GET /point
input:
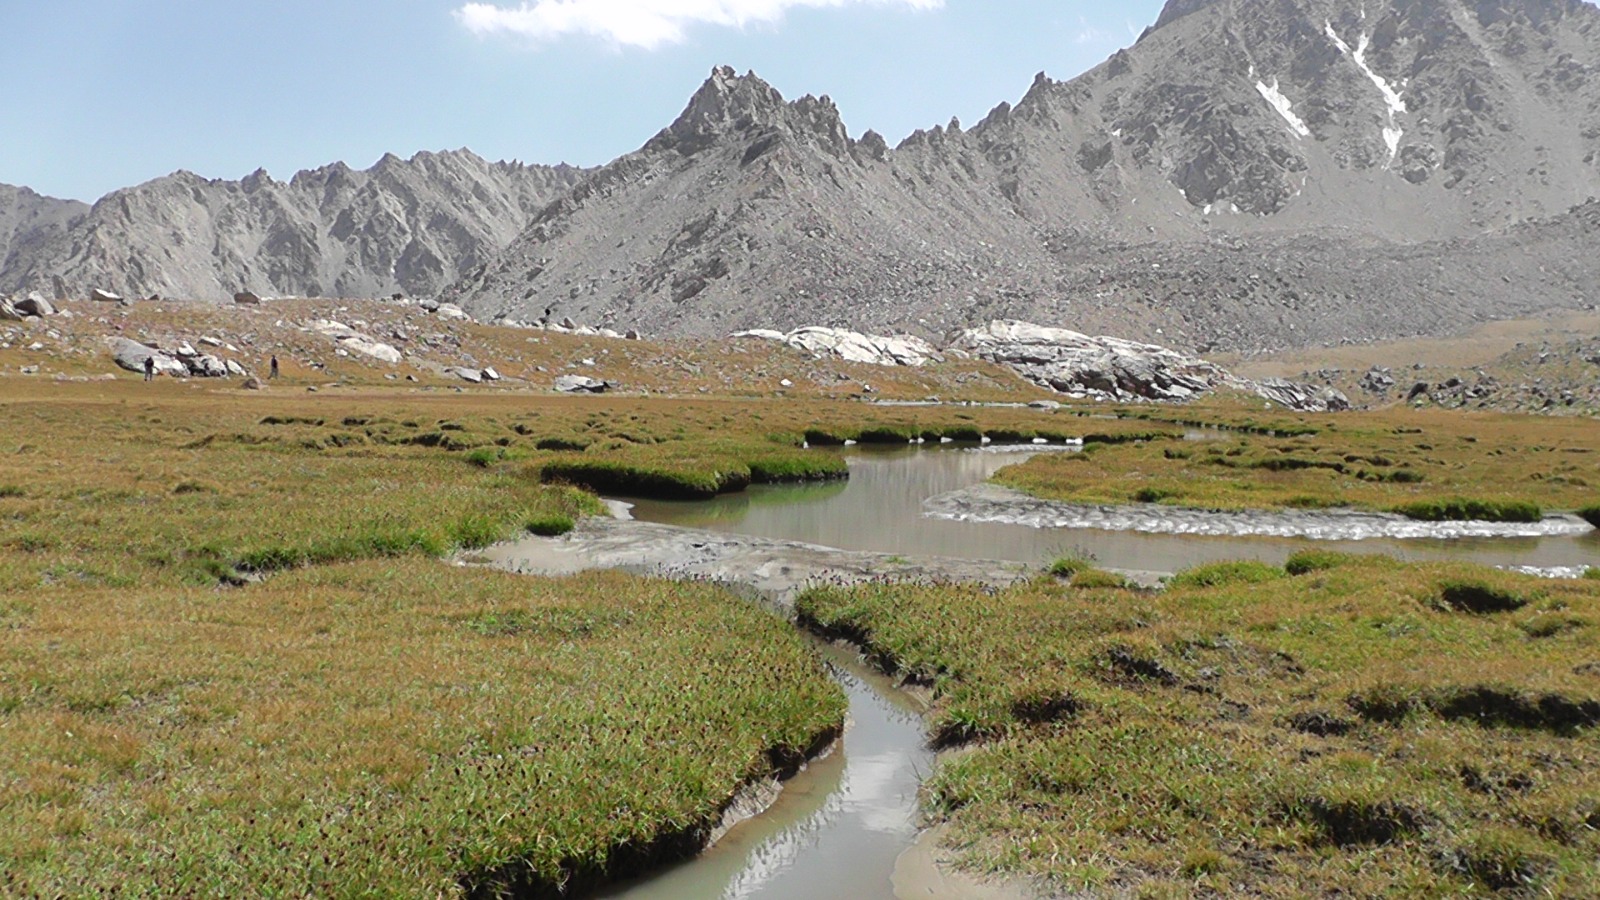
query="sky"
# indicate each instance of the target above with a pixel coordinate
(102, 94)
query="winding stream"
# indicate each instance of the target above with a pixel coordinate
(848, 825)
(838, 828)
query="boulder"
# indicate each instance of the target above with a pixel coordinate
(353, 341)
(428, 305)
(254, 384)
(100, 296)
(368, 347)
(489, 374)
(473, 376)
(1109, 368)
(632, 335)
(580, 384)
(130, 355)
(247, 298)
(451, 311)
(9, 311)
(35, 305)
(207, 366)
(1103, 367)
(852, 346)
(235, 369)
(1378, 380)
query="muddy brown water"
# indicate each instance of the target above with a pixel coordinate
(881, 509)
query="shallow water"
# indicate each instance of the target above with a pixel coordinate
(882, 509)
(838, 828)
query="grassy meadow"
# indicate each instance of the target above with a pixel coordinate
(1360, 728)
(1427, 465)
(235, 658)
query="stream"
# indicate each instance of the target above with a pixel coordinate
(838, 828)
(847, 826)
(885, 508)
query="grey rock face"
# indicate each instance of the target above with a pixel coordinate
(1247, 176)
(29, 221)
(403, 225)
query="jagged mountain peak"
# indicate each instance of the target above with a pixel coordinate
(1135, 196)
(1177, 9)
(729, 104)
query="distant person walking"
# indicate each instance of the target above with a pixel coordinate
(150, 367)
(272, 369)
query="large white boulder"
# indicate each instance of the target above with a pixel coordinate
(355, 342)
(130, 355)
(1116, 369)
(853, 346)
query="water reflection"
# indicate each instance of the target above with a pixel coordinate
(881, 509)
(838, 828)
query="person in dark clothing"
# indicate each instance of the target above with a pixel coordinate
(150, 367)
(273, 367)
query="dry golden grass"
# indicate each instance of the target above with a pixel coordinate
(531, 359)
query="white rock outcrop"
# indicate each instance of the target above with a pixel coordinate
(853, 346)
(356, 342)
(1116, 369)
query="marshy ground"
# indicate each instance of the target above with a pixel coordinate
(233, 658)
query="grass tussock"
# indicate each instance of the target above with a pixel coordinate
(1308, 729)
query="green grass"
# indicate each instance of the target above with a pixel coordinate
(1249, 732)
(1069, 566)
(386, 729)
(368, 720)
(1223, 574)
(1429, 466)
(1456, 509)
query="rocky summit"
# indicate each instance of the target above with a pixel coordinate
(401, 226)
(1248, 175)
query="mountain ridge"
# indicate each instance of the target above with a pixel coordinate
(1245, 176)
(1430, 123)
(402, 225)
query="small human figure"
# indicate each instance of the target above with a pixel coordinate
(150, 367)
(273, 367)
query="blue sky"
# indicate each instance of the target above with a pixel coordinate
(101, 94)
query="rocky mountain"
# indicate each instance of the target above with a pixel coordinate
(402, 225)
(1250, 174)
(29, 221)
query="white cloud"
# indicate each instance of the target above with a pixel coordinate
(639, 23)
